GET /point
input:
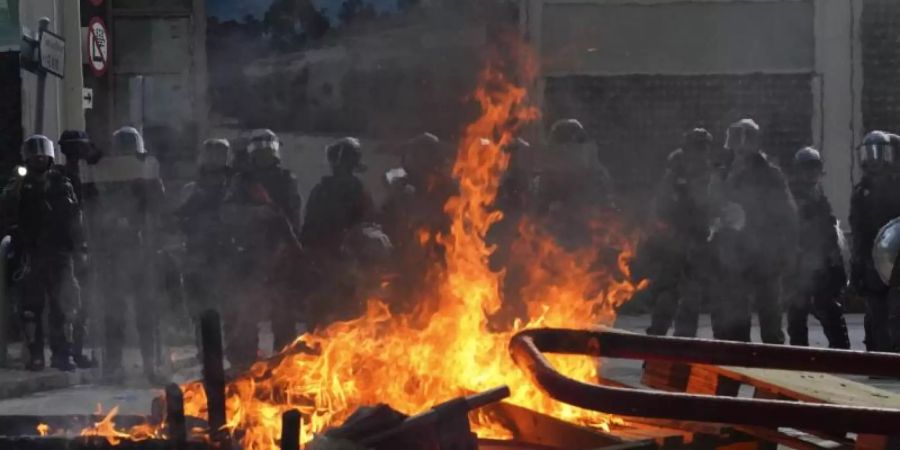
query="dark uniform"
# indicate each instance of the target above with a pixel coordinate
(127, 218)
(262, 211)
(753, 237)
(514, 201)
(413, 216)
(874, 203)
(818, 277)
(207, 241)
(677, 245)
(570, 188)
(42, 213)
(76, 145)
(338, 204)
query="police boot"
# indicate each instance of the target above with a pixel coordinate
(835, 328)
(34, 346)
(62, 351)
(62, 361)
(78, 356)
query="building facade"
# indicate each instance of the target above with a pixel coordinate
(640, 72)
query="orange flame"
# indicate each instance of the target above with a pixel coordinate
(106, 428)
(43, 429)
(385, 358)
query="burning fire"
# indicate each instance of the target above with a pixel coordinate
(106, 428)
(412, 363)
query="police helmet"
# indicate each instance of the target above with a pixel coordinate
(742, 132)
(129, 140)
(877, 151)
(697, 138)
(807, 157)
(214, 153)
(264, 139)
(74, 136)
(568, 131)
(38, 145)
(346, 153)
(425, 151)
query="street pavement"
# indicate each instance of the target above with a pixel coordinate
(82, 395)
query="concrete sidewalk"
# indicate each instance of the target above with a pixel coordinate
(17, 382)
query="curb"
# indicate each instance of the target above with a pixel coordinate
(26, 383)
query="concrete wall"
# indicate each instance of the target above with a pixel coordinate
(681, 38)
(605, 38)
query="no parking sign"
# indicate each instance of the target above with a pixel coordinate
(98, 46)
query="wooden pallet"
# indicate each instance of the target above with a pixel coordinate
(782, 385)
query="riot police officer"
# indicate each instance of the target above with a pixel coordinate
(873, 204)
(77, 147)
(752, 233)
(818, 276)
(413, 214)
(338, 204)
(262, 210)
(885, 258)
(677, 245)
(41, 211)
(127, 216)
(570, 188)
(207, 241)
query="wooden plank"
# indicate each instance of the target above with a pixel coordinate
(813, 387)
(531, 427)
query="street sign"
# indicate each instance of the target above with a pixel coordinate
(98, 47)
(53, 53)
(87, 98)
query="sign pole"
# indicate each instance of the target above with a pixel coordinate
(43, 25)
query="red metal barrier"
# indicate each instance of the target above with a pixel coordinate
(527, 350)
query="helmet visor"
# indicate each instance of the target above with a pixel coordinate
(270, 144)
(37, 147)
(880, 153)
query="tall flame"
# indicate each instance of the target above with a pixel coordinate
(384, 358)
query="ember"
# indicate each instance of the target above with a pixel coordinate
(384, 358)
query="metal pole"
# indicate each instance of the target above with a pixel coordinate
(43, 25)
(290, 430)
(175, 421)
(213, 372)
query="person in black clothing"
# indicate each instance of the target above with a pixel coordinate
(413, 215)
(41, 211)
(873, 204)
(127, 222)
(262, 211)
(338, 204)
(77, 146)
(819, 276)
(207, 242)
(678, 244)
(752, 236)
(570, 188)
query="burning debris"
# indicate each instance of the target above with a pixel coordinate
(445, 347)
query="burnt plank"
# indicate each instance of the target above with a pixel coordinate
(213, 371)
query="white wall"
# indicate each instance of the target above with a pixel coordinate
(839, 63)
